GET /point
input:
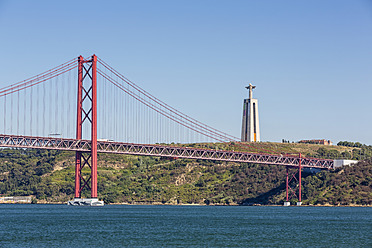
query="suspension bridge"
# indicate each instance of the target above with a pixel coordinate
(86, 106)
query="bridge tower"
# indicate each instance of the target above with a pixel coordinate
(293, 174)
(86, 114)
(250, 125)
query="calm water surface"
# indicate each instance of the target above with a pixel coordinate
(184, 226)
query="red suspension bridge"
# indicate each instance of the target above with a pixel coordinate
(114, 115)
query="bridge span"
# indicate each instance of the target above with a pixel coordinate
(161, 151)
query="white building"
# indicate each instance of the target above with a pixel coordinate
(342, 162)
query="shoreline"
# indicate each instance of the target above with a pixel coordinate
(189, 204)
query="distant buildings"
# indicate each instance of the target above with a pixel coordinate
(317, 141)
(15, 199)
(343, 162)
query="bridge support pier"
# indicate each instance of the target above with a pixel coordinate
(87, 97)
(293, 175)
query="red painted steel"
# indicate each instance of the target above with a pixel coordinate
(87, 91)
(79, 99)
(94, 129)
(286, 185)
(297, 177)
(51, 143)
(292, 176)
(79, 127)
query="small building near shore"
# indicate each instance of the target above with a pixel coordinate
(15, 199)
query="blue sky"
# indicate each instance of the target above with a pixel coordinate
(310, 60)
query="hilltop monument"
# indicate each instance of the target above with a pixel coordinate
(250, 127)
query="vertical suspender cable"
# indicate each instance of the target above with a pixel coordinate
(18, 113)
(136, 124)
(50, 117)
(56, 106)
(61, 119)
(116, 119)
(43, 120)
(5, 117)
(25, 112)
(31, 99)
(37, 110)
(11, 115)
(106, 111)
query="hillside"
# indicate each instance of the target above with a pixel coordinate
(307, 150)
(344, 186)
(49, 175)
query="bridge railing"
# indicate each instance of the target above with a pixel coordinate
(161, 151)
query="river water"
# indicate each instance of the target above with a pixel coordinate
(184, 226)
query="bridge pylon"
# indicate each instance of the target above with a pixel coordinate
(294, 191)
(86, 114)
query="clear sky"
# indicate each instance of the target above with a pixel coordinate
(310, 60)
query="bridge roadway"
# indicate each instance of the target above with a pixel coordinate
(52, 143)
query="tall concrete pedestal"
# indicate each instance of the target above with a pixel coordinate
(250, 125)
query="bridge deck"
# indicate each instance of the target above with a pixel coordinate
(160, 151)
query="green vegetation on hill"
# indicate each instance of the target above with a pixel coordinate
(49, 176)
(27, 172)
(342, 151)
(359, 151)
(344, 186)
